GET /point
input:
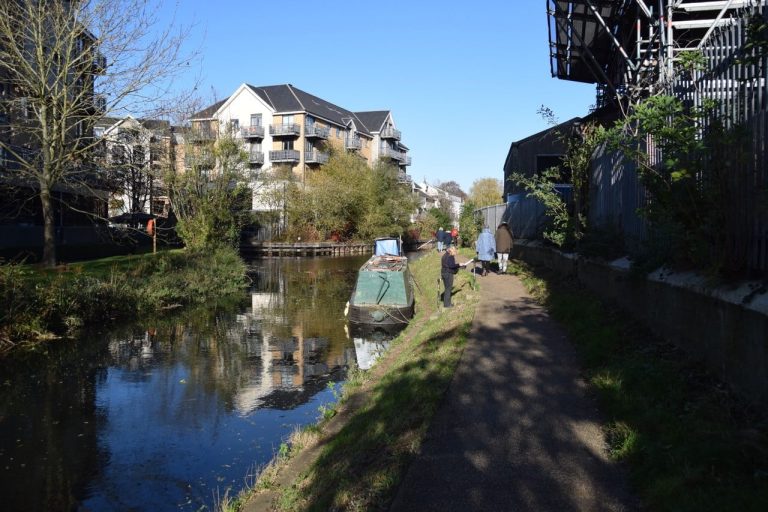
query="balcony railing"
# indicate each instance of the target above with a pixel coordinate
(256, 157)
(390, 133)
(315, 157)
(252, 132)
(286, 155)
(202, 134)
(353, 143)
(392, 153)
(99, 63)
(406, 161)
(316, 132)
(404, 178)
(100, 103)
(201, 160)
(284, 130)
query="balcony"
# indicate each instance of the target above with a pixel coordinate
(202, 135)
(256, 157)
(316, 132)
(390, 133)
(406, 161)
(203, 160)
(252, 132)
(387, 152)
(315, 157)
(404, 178)
(99, 63)
(284, 130)
(100, 103)
(353, 143)
(286, 155)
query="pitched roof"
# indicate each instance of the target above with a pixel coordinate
(373, 120)
(287, 98)
(208, 112)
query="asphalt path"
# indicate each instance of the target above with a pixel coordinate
(517, 430)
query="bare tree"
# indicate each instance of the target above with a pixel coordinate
(452, 188)
(63, 64)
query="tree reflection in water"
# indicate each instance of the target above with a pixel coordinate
(157, 416)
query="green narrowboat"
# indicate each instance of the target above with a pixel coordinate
(383, 294)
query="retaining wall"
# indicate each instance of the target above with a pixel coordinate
(724, 327)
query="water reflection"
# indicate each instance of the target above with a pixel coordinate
(371, 342)
(157, 416)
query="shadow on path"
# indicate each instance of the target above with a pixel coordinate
(516, 430)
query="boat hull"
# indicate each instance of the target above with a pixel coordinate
(380, 314)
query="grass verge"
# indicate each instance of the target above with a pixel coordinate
(689, 443)
(355, 456)
(40, 304)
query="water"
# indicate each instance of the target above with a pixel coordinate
(162, 415)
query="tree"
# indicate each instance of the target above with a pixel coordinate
(210, 197)
(346, 199)
(64, 64)
(452, 188)
(486, 192)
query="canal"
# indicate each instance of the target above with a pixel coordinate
(165, 414)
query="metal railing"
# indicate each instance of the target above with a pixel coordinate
(315, 157)
(394, 154)
(99, 63)
(285, 155)
(390, 133)
(252, 132)
(256, 157)
(317, 132)
(353, 143)
(406, 161)
(281, 130)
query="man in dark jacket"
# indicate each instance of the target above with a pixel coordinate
(448, 267)
(503, 246)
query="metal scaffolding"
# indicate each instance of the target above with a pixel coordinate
(629, 47)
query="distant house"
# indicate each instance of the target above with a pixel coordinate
(429, 197)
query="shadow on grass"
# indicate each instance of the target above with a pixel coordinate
(690, 444)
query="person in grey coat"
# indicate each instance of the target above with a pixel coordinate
(486, 248)
(503, 246)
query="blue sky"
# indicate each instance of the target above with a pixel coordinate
(463, 79)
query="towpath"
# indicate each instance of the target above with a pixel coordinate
(517, 430)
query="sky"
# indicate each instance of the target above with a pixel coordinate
(463, 79)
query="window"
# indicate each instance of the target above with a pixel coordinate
(287, 145)
(255, 147)
(338, 132)
(308, 146)
(98, 131)
(234, 124)
(287, 120)
(255, 119)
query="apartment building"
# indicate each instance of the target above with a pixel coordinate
(132, 154)
(283, 126)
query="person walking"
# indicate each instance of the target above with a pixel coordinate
(448, 267)
(455, 236)
(440, 239)
(503, 246)
(486, 249)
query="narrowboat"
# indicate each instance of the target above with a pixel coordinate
(383, 294)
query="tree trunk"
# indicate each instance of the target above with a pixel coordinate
(49, 233)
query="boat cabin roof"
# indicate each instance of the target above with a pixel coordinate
(386, 263)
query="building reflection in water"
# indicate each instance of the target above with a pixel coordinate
(158, 417)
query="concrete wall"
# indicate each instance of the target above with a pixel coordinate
(725, 327)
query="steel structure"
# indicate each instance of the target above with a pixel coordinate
(629, 47)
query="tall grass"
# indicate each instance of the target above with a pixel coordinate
(39, 304)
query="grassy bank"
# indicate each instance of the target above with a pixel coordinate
(355, 456)
(39, 304)
(690, 445)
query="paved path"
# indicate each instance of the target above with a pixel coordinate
(516, 431)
